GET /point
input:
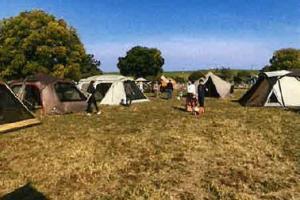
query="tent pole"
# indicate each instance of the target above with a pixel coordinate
(281, 92)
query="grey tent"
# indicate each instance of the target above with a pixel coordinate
(13, 113)
(277, 88)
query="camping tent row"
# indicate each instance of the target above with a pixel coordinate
(277, 88)
(52, 95)
(113, 89)
(13, 113)
(216, 87)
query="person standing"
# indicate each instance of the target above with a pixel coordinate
(201, 95)
(91, 99)
(191, 96)
(156, 89)
(141, 86)
(169, 89)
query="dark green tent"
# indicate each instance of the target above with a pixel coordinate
(13, 113)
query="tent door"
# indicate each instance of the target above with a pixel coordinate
(211, 89)
(273, 99)
(101, 90)
(32, 96)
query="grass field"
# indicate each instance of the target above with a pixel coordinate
(157, 151)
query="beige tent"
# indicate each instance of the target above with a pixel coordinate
(216, 87)
(164, 81)
(52, 95)
(277, 88)
(113, 89)
(13, 113)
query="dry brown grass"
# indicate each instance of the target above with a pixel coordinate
(156, 151)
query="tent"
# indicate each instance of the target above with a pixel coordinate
(142, 84)
(276, 88)
(113, 89)
(164, 81)
(52, 95)
(141, 79)
(13, 113)
(216, 87)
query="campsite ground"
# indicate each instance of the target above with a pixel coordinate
(156, 150)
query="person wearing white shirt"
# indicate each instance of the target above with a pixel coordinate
(191, 96)
(141, 86)
(191, 89)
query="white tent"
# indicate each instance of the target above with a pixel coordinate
(141, 79)
(113, 89)
(277, 88)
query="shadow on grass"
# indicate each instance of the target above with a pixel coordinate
(235, 100)
(295, 110)
(26, 192)
(163, 97)
(179, 108)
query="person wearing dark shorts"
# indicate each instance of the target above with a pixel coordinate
(201, 95)
(169, 90)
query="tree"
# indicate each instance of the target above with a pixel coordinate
(179, 79)
(90, 66)
(35, 41)
(196, 75)
(284, 59)
(242, 76)
(225, 73)
(141, 62)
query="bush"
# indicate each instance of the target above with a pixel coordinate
(196, 76)
(179, 79)
(225, 73)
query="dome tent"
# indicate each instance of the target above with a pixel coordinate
(113, 89)
(277, 88)
(13, 113)
(52, 95)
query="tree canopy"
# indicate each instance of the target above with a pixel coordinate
(36, 41)
(90, 66)
(225, 73)
(284, 59)
(243, 76)
(196, 75)
(141, 62)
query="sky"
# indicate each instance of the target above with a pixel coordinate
(191, 34)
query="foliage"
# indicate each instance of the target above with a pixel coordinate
(141, 62)
(179, 79)
(36, 41)
(196, 75)
(284, 59)
(153, 78)
(225, 73)
(90, 66)
(242, 76)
